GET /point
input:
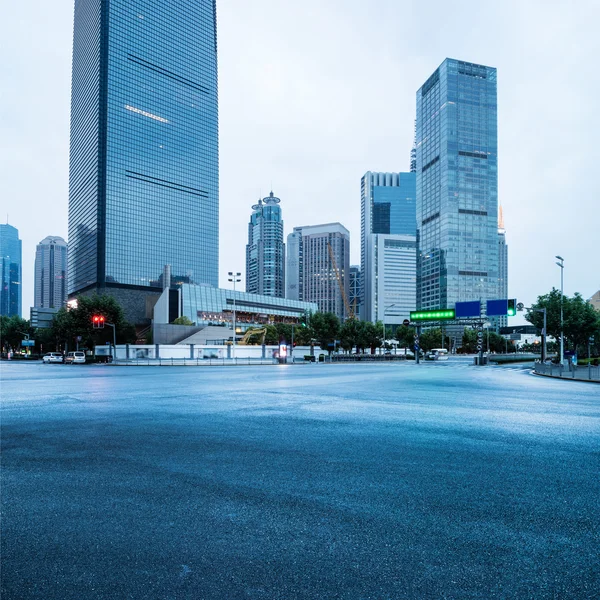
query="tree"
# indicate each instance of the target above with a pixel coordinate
(580, 320)
(183, 320)
(67, 325)
(350, 333)
(406, 336)
(469, 341)
(430, 339)
(13, 330)
(326, 327)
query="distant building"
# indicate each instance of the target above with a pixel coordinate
(457, 186)
(311, 272)
(595, 300)
(502, 267)
(144, 160)
(392, 278)
(388, 245)
(355, 292)
(10, 271)
(50, 286)
(206, 305)
(265, 251)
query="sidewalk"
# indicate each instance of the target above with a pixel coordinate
(583, 373)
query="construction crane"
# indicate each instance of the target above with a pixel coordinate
(349, 309)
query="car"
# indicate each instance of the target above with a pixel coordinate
(52, 357)
(76, 357)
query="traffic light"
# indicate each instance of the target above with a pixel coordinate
(98, 321)
(512, 307)
(303, 320)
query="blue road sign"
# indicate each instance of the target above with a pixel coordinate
(464, 310)
(497, 308)
(28, 343)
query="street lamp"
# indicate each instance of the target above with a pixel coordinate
(562, 342)
(234, 278)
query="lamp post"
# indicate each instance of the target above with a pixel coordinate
(234, 278)
(561, 264)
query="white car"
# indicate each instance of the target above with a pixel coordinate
(52, 357)
(76, 357)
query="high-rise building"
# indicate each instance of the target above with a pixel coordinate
(355, 292)
(313, 275)
(388, 245)
(50, 289)
(143, 180)
(502, 267)
(265, 251)
(11, 253)
(457, 185)
(392, 278)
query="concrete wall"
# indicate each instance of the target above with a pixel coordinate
(166, 333)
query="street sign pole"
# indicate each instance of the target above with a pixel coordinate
(417, 336)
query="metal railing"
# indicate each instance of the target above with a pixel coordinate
(581, 373)
(198, 362)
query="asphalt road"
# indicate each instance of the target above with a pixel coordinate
(355, 481)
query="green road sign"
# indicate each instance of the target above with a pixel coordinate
(432, 315)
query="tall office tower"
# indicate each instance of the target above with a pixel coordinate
(502, 266)
(10, 250)
(265, 251)
(143, 180)
(457, 186)
(413, 153)
(50, 290)
(354, 294)
(388, 229)
(313, 276)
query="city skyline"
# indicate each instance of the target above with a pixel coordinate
(305, 138)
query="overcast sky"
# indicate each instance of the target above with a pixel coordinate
(315, 93)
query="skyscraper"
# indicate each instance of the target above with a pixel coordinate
(388, 246)
(502, 266)
(143, 181)
(265, 251)
(355, 293)
(10, 292)
(312, 274)
(50, 289)
(457, 185)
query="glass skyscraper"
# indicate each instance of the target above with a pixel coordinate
(143, 182)
(457, 185)
(265, 251)
(388, 246)
(50, 288)
(10, 271)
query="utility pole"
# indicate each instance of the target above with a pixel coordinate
(561, 264)
(234, 278)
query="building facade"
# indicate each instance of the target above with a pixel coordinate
(50, 286)
(355, 291)
(595, 300)
(265, 251)
(457, 186)
(318, 267)
(392, 280)
(143, 179)
(206, 305)
(11, 271)
(388, 208)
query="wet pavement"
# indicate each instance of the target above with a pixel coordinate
(361, 481)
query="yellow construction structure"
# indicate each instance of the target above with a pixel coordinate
(250, 333)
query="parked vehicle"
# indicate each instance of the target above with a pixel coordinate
(76, 357)
(52, 357)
